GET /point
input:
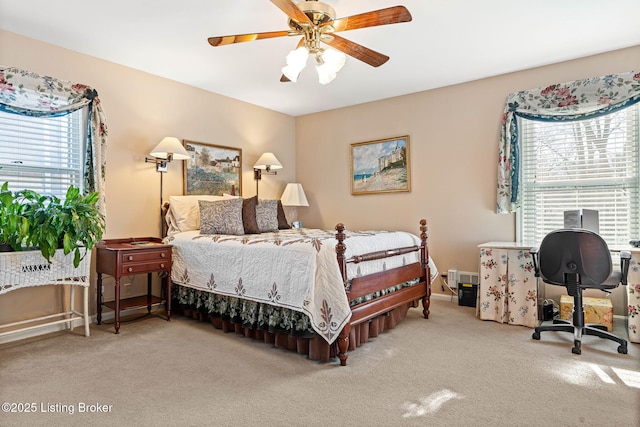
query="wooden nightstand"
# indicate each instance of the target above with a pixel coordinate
(127, 257)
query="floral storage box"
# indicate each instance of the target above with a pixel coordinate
(596, 310)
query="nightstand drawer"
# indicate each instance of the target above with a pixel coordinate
(137, 256)
(145, 267)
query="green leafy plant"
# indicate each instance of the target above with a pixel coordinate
(72, 225)
(14, 225)
(40, 212)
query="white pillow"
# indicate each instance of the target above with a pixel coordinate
(185, 213)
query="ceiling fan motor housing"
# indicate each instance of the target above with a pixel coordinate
(317, 11)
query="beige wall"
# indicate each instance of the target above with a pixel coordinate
(140, 110)
(454, 135)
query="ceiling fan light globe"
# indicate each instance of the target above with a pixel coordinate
(296, 61)
(291, 73)
(334, 59)
(325, 73)
(298, 57)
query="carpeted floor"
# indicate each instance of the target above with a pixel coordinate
(450, 370)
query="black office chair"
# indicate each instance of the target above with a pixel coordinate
(579, 259)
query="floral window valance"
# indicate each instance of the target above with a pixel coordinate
(27, 93)
(577, 100)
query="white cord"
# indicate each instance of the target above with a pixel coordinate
(453, 291)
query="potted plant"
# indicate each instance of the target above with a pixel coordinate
(72, 225)
(14, 224)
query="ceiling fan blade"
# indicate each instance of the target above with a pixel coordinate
(240, 38)
(391, 15)
(364, 54)
(292, 11)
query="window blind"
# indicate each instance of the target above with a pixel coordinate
(44, 154)
(587, 164)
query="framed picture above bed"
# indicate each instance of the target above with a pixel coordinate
(212, 169)
(380, 166)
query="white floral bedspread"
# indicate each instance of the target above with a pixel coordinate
(296, 269)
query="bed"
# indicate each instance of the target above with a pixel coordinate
(320, 293)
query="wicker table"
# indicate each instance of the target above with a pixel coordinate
(29, 269)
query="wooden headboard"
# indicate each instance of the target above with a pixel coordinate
(163, 214)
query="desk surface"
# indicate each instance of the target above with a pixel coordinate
(506, 245)
(527, 246)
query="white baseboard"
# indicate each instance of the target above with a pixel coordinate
(78, 325)
(445, 297)
(43, 330)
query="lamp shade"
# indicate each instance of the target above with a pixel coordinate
(293, 195)
(267, 162)
(170, 146)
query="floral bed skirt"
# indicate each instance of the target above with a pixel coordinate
(255, 315)
(280, 326)
(248, 314)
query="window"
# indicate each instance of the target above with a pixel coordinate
(586, 164)
(44, 154)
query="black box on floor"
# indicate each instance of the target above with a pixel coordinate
(547, 311)
(467, 294)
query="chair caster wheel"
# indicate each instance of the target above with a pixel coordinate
(622, 349)
(577, 347)
(536, 335)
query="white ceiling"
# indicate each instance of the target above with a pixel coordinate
(448, 42)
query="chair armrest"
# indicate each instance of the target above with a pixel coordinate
(534, 256)
(625, 259)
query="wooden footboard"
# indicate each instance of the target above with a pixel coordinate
(366, 285)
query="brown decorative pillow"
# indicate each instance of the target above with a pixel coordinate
(249, 215)
(282, 219)
(267, 215)
(221, 217)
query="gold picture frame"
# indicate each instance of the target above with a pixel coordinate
(381, 166)
(212, 169)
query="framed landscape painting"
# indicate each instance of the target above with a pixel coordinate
(380, 166)
(212, 169)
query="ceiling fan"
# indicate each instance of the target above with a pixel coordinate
(316, 22)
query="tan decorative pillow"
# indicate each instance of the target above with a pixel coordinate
(267, 215)
(184, 211)
(221, 217)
